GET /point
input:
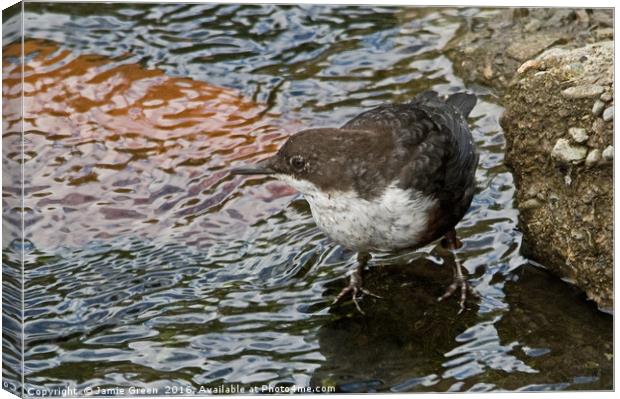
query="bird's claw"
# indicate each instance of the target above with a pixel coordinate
(355, 289)
(459, 282)
(366, 292)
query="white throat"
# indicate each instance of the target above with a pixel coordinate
(396, 219)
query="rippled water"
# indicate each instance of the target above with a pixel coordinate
(148, 265)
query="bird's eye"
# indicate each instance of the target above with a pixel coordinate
(297, 162)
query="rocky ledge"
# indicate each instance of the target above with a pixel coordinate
(553, 70)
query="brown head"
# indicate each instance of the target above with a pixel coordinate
(329, 158)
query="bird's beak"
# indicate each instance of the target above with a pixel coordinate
(263, 167)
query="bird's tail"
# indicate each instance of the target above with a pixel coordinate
(464, 102)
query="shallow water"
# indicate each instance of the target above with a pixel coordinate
(147, 265)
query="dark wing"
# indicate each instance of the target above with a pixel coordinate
(459, 171)
(433, 147)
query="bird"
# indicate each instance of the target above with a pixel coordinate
(396, 177)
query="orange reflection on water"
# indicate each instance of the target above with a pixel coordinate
(114, 149)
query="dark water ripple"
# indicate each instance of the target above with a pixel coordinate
(147, 265)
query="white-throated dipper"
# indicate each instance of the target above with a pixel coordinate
(396, 177)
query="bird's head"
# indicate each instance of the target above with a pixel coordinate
(326, 159)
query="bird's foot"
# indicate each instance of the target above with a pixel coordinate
(355, 289)
(459, 282)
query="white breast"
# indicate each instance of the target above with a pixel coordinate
(396, 219)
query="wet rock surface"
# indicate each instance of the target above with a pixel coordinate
(553, 69)
(495, 44)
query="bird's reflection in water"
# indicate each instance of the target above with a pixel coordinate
(398, 334)
(406, 337)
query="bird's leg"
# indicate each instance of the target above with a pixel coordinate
(355, 287)
(451, 242)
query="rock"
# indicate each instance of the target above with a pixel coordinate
(533, 25)
(505, 39)
(532, 192)
(608, 153)
(598, 107)
(537, 115)
(578, 134)
(561, 16)
(487, 72)
(598, 126)
(577, 235)
(530, 64)
(576, 68)
(606, 97)
(604, 34)
(585, 91)
(525, 49)
(582, 16)
(565, 152)
(554, 199)
(532, 203)
(608, 114)
(539, 112)
(603, 17)
(593, 158)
